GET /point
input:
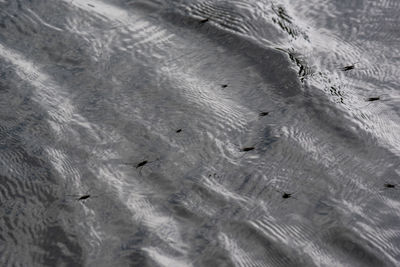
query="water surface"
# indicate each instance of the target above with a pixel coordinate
(199, 133)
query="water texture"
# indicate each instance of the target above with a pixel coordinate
(199, 133)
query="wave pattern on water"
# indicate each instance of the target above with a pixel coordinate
(199, 133)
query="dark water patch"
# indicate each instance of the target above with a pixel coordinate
(130, 250)
(354, 249)
(270, 63)
(60, 248)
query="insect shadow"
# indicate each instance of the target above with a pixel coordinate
(245, 149)
(286, 195)
(84, 196)
(373, 99)
(139, 166)
(265, 141)
(263, 113)
(204, 21)
(349, 67)
(389, 186)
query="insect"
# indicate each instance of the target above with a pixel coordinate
(142, 164)
(263, 113)
(387, 185)
(83, 197)
(90, 5)
(178, 131)
(203, 21)
(224, 85)
(347, 68)
(370, 99)
(246, 149)
(287, 195)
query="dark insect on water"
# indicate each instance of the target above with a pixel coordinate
(246, 149)
(387, 185)
(347, 68)
(179, 130)
(90, 5)
(203, 21)
(83, 197)
(370, 99)
(285, 195)
(263, 114)
(224, 85)
(141, 164)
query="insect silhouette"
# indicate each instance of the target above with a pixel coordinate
(246, 149)
(224, 85)
(287, 195)
(371, 99)
(83, 197)
(142, 164)
(263, 113)
(178, 131)
(90, 5)
(387, 185)
(347, 68)
(203, 21)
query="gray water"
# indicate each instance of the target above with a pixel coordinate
(199, 133)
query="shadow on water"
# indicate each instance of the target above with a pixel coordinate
(353, 248)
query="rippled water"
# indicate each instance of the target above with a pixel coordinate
(199, 133)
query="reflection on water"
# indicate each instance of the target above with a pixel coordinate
(199, 133)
